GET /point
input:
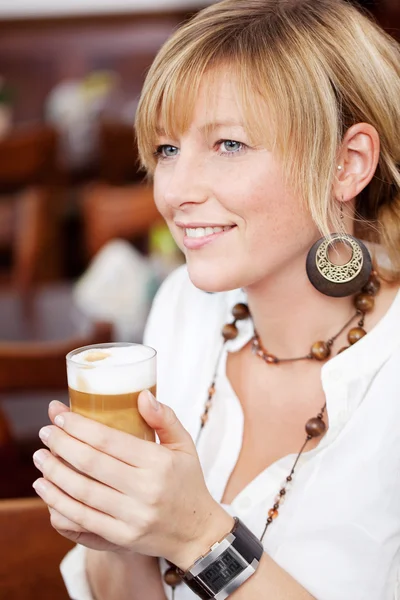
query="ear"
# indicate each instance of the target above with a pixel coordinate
(358, 157)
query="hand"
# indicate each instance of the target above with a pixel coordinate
(127, 494)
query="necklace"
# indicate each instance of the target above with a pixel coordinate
(315, 427)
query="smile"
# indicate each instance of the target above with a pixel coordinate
(199, 232)
(197, 237)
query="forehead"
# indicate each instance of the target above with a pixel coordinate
(219, 98)
(216, 100)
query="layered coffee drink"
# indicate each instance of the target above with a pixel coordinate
(105, 381)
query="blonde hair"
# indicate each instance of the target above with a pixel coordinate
(320, 66)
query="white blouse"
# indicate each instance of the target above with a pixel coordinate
(338, 533)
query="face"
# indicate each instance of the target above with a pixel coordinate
(225, 200)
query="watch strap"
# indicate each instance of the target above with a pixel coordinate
(246, 543)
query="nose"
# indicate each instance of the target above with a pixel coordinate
(187, 184)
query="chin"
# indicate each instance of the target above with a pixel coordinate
(214, 278)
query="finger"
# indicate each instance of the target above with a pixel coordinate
(118, 444)
(87, 518)
(61, 523)
(86, 460)
(56, 408)
(76, 534)
(81, 488)
(162, 418)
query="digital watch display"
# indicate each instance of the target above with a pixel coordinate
(229, 563)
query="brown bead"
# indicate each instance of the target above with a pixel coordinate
(273, 513)
(356, 334)
(271, 359)
(172, 577)
(315, 427)
(343, 349)
(364, 302)
(204, 419)
(372, 287)
(320, 350)
(241, 312)
(211, 391)
(230, 331)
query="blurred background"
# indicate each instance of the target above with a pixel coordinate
(82, 248)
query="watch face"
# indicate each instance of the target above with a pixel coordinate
(223, 570)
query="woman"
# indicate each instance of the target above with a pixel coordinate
(267, 126)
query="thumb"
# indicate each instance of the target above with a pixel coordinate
(164, 421)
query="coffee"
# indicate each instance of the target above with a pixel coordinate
(105, 382)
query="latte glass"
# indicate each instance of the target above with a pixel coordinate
(105, 380)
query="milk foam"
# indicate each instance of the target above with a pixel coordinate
(120, 370)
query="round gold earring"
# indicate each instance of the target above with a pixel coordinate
(338, 280)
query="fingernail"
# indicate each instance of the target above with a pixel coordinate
(154, 403)
(39, 457)
(44, 434)
(54, 403)
(39, 487)
(59, 421)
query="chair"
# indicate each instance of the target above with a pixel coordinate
(28, 156)
(31, 551)
(29, 207)
(116, 212)
(41, 365)
(118, 153)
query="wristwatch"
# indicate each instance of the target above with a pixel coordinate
(228, 564)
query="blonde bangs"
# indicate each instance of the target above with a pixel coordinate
(166, 109)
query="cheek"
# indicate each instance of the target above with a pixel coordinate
(166, 212)
(158, 187)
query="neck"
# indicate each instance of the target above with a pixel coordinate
(289, 314)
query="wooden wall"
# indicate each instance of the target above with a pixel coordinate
(37, 54)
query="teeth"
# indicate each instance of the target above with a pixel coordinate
(199, 232)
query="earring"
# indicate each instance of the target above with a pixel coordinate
(333, 280)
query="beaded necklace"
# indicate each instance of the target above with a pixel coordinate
(315, 427)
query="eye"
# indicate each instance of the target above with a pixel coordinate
(167, 151)
(230, 146)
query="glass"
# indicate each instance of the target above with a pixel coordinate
(104, 383)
